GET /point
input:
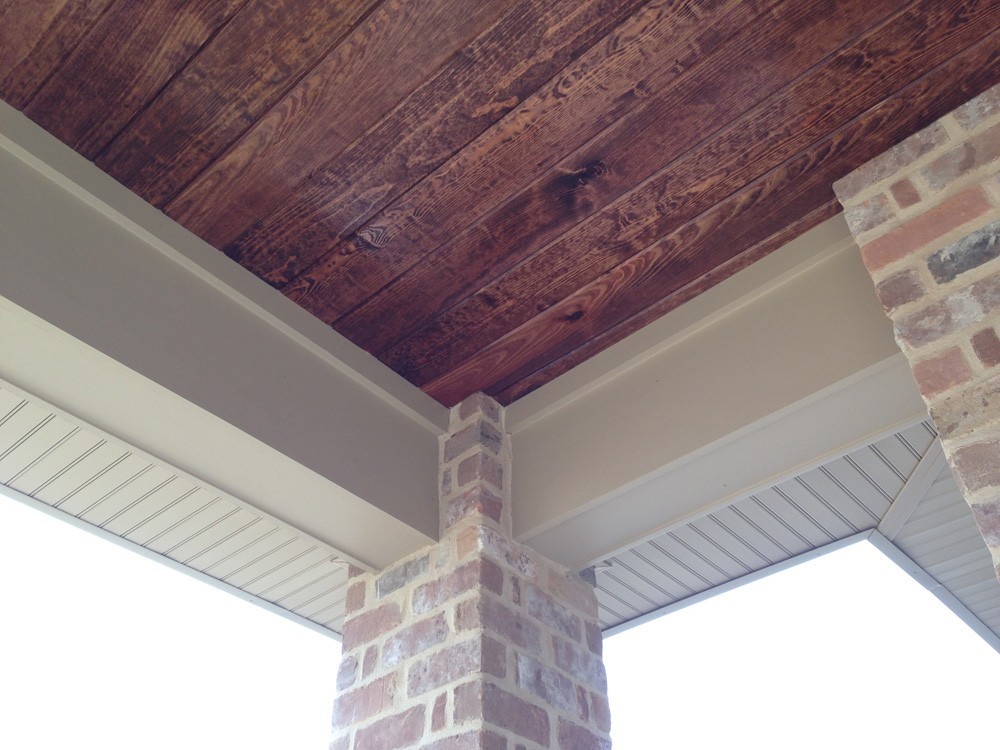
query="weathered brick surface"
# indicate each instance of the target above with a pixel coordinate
(869, 214)
(936, 268)
(476, 642)
(400, 730)
(986, 344)
(912, 236)
(938, 374)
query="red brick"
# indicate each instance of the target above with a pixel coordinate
(601, 711)
(347, 674)
(979, 110)
(582, 665)
(355, 597)
(494, 617)
(438, 716)
(369, 625)
(977, 466)
(462, 580)
(480, 467)
(393, 732)
(547, 610)
(987, 517)
(478, 655)
(974, 153)
(364, 702)
(987, 347)
(938, 374)
(577, 737)
(411, 640)
(905, 193)
(921, 230)
(893, 161)
(899, 289)
(868, 214)
(595, 639)
(370, 662)
(496, 706)
(471, 502)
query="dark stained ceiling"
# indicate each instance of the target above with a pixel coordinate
(484, 193)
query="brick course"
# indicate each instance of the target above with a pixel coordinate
(475, 643)
(935, 263)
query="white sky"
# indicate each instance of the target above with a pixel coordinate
(844, 651)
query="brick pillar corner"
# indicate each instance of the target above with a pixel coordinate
(926, 215)
(475, 642)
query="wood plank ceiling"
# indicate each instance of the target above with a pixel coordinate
(484, 194)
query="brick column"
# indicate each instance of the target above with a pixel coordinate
(927, 217)
(475, 642)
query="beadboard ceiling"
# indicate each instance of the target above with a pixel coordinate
(484, 195)
(898, 492)
(84, 475)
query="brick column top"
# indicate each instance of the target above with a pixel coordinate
(475, 464)
(927, 217)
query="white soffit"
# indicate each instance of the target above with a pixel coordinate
(897, 492)
(88, 477)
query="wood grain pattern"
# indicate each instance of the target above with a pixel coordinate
(35, 38)
(619, 76)
(756, 66)
(681, 258)
(382, 60)
(224, 90)
(126, 58)
(490, 77)
(869, 69)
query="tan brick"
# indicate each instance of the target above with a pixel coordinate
(940, 373)
(480, 434)
(984, 107)
(479, 403)
(963, 413)
(921, 230)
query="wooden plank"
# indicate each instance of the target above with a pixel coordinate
(759, 62)
(474, 89)
(35, 38)
(245, 69)
(799, 187)
(621, 75)
(126, 58)
(753, 143)
(382, 60)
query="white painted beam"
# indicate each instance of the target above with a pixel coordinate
(114, 313)
(780, 368)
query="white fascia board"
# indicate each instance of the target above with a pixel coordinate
(116, 314)
(759, 380)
